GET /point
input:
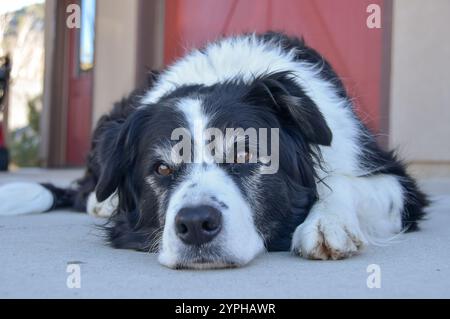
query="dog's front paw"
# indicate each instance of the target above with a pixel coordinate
(103, 209)
(327, 237)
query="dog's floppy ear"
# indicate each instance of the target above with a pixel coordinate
(118, 150)
(294, 107)
(111, 156)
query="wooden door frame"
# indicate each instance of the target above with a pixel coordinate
(150, 35)
(57, 106)
(385, 86)
(80, 102)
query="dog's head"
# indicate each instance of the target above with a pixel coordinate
(198, 186)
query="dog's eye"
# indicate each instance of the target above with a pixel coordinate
(243, 157)
(163, 170)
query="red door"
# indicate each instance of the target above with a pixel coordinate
(337, 29)
(79, 114)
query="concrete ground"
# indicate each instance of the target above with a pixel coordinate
(35, 251)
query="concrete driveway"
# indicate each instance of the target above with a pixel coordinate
(37, 251)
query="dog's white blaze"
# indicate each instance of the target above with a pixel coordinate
(246, 57)
(197, 121)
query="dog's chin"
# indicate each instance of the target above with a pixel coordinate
(199, 258)
(205, 264)
(202, 263)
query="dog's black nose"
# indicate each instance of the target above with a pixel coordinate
(198, 225)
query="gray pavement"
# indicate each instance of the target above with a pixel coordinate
(35, 251)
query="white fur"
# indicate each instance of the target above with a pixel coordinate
(102, 209)
(197, 120)
(24, 198)
(359, 209)
(353, 212)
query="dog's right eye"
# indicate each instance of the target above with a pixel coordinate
(163, 170)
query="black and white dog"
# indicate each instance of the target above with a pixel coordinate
(333, 191)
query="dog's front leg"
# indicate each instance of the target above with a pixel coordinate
(332, 229)
(103, 209)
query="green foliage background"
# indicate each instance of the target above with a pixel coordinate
(24, 142)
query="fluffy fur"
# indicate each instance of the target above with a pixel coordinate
(335, 190)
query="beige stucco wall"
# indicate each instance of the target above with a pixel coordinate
(49, 44)
(115, 53)
(121, 55)
(420, 84)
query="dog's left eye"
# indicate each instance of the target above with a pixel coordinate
(163, 170)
